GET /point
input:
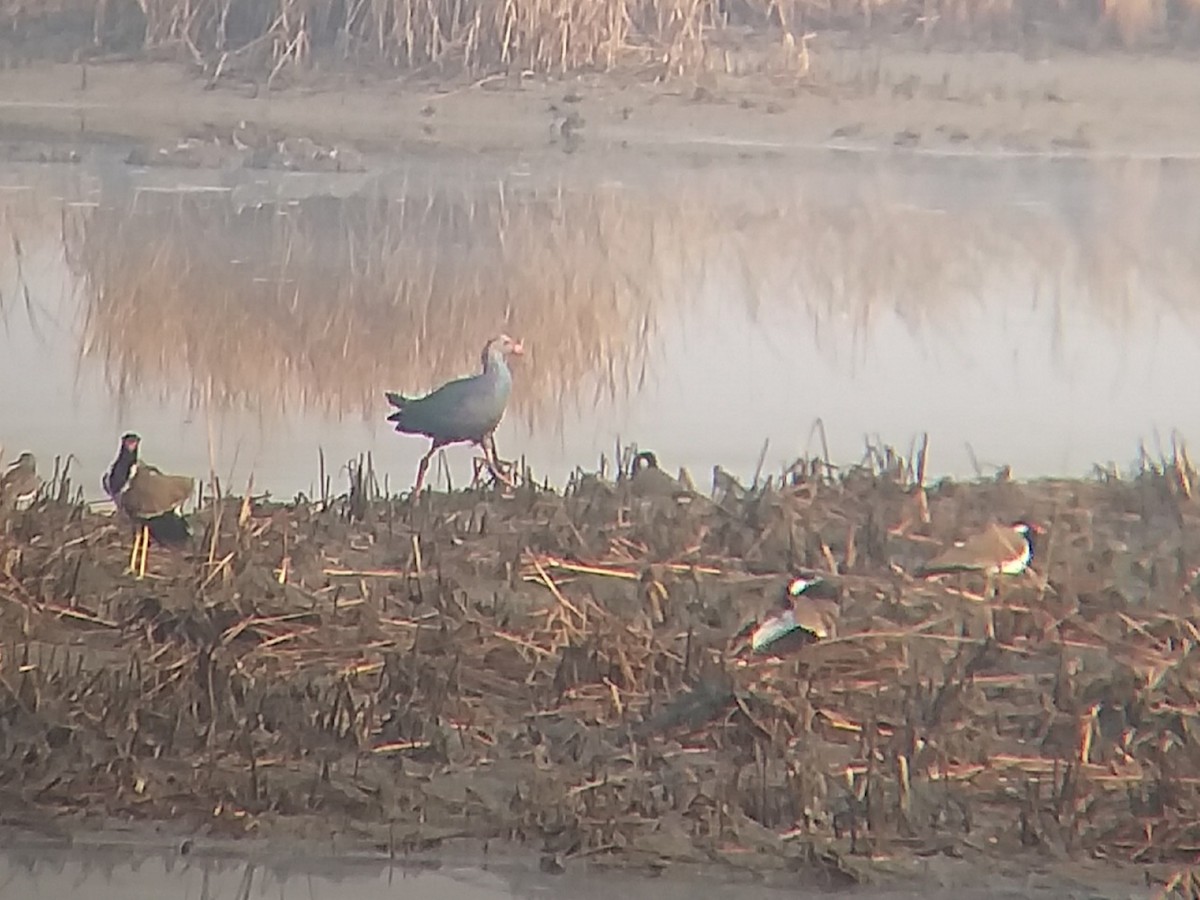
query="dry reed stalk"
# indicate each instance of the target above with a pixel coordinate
(217, 567)
(244, 507)
(400, 746)
(67, 612)
(548, 582)
(217, 499)
(525, 644)
(364, 573)
(676, 36)
(540, 562)
(922, 496)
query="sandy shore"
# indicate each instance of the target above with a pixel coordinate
(972, 102)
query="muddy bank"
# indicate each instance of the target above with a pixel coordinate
(885, 97)
(570, 674)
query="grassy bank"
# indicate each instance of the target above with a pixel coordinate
(565, 670)
(484, 36)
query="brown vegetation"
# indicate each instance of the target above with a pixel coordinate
(566, 671)
(666, 36)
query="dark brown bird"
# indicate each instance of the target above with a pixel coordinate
(20, 483)
(999, 549)
(648, 480)
(150, 498)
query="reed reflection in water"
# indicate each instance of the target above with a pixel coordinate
(128, 869)
(118, 873)
(1043, 311)
(319, 304)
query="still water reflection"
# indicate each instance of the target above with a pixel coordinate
(133, 872)
(1041, 313)
(116, 874)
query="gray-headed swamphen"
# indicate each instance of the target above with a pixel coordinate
(466, 410)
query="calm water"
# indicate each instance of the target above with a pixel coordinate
(122, 872)
(116, 875)
(1035, 312)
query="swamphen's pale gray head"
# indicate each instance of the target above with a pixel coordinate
(501, 347)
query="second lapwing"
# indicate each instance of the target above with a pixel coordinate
(997, 550)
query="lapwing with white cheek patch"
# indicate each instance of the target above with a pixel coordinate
(807, 612)
(998, 550)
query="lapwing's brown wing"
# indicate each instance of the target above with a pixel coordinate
(809, 619)
(152, 492)
(988, 550)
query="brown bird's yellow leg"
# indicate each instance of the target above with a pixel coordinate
(145, 552)
(133, 551)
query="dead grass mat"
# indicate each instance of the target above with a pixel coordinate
(566, 671)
